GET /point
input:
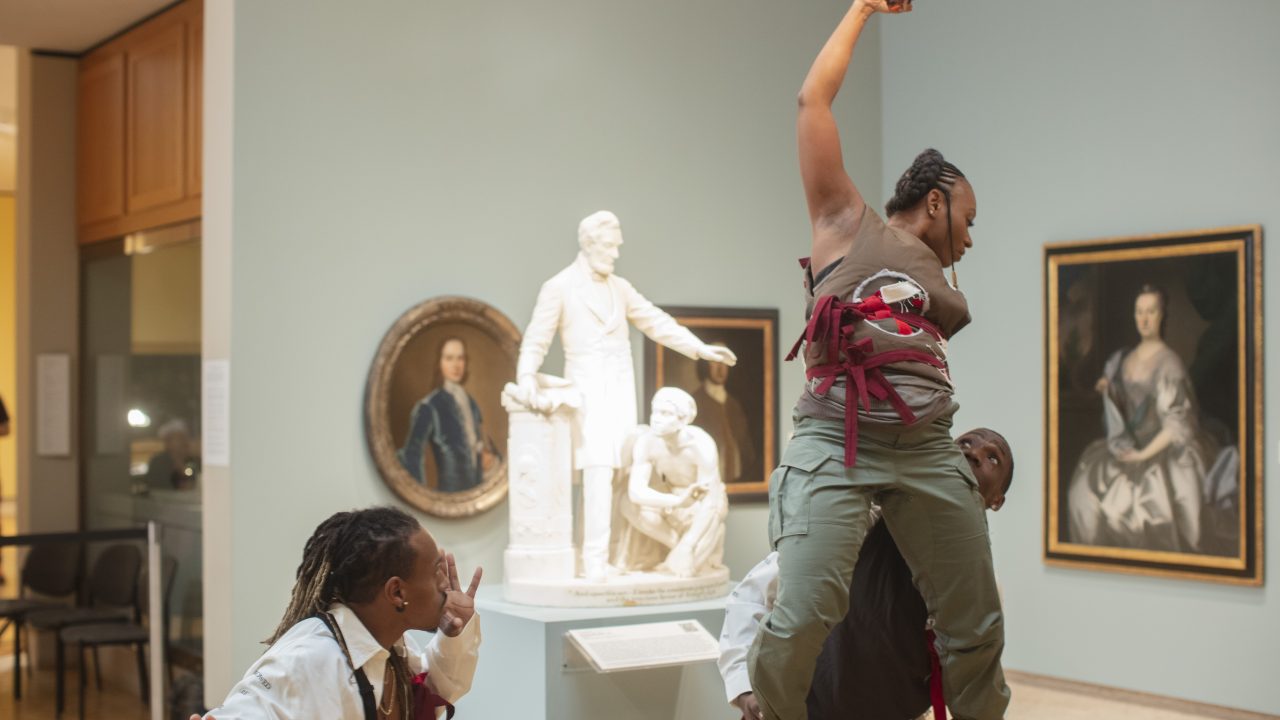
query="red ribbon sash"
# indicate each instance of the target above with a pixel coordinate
(935, 679)
(833, 324)
(425, 701)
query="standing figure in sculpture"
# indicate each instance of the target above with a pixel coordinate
(593, 309)
(448, 420)
(672, 494)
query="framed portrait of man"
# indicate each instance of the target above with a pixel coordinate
(1153, 403)
(434, 418)
(737, 405)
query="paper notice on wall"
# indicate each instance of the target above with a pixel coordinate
(53, 405)
(649, 645)
(215, 413)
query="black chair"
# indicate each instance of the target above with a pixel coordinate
(86, 637)
(52, 570)
(112, 597)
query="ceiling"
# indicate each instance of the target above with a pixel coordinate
(70, 26)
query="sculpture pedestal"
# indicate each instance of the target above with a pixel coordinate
(541, 499)
(529, 669)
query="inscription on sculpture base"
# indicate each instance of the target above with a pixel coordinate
(620, 591)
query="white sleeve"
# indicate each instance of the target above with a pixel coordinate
(747, 605)
(541, 330)
(450, 662)
(657, 324)
(288, 683)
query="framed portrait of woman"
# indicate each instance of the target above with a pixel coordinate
(1154, 406)
(433, 414)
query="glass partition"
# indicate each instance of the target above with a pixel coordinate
(140, 375)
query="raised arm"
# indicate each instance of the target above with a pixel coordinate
(828, 189)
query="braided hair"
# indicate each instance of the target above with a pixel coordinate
(348, 559)
(929, 171)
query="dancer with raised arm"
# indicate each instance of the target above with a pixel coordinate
(873, 422)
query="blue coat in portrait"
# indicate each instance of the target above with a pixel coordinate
(437, 420)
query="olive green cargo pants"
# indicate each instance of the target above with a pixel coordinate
(818, 517)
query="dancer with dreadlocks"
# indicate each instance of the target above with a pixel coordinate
(341, 651)
(873, 422)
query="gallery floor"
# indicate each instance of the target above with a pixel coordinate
(1033, 699)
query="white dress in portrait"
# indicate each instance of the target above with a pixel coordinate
(1158, 503)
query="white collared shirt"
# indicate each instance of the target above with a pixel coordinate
(746, 606)
(305, 676)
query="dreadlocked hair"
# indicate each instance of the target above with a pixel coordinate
(348, 559)
(929, 171)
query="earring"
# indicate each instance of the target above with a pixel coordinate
(400, 608)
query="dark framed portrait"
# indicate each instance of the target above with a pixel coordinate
(737, 406)
(433, 415)
(1153, 385)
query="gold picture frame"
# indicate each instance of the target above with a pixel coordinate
(751, 389)
(435, 455)
(1154, 405)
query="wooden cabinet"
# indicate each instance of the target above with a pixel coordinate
(139, 142)
(100, 140)
(195, 104)
(157, 119)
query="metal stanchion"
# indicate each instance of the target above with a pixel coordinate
(156, 624)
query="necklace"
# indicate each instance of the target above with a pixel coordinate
(389, 690)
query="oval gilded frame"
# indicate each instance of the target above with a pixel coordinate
(413, 325)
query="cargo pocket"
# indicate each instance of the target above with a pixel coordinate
(970, 480)
(790, 490)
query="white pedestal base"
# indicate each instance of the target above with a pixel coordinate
(528, 668)
(627, 590)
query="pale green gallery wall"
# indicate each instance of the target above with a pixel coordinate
(1085, 120)
(384, 154)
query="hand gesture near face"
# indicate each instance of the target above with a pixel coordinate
(459, 606)
(891, 7)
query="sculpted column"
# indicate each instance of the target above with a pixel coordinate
(540, 446)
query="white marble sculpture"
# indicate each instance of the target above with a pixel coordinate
(671, 503)
(593, 309)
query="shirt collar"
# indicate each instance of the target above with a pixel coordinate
(361, 644)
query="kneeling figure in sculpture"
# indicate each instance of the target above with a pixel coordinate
(671, 496)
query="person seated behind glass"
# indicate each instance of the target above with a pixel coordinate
(176, 467)
(875, 664)
(448, 419)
